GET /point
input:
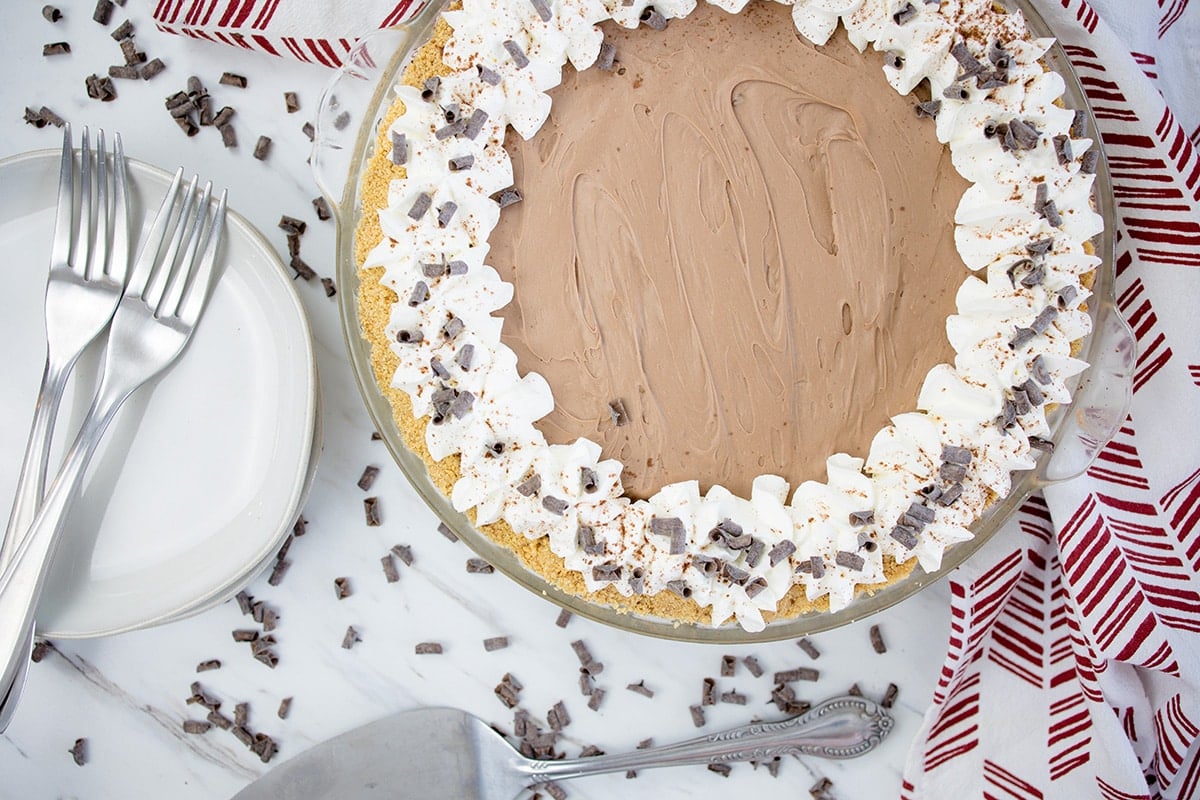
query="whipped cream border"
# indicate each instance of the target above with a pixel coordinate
(739, 556)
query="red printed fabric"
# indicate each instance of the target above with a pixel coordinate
(1073, 668)
(1073, 664)
(317, 31)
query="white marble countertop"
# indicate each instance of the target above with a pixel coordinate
(126, 694)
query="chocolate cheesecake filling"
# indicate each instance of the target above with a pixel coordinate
(745, 239)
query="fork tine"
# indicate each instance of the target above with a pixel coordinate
(83, 231)
(118, 268)
(98, 254)
(64, 214)
(182, 274)
(198, 288)
(154, 239)
(168, 263)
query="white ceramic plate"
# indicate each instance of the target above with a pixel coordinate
(202, 473)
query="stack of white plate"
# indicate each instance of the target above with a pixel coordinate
(205, 470)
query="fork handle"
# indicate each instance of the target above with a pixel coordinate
(31, 484)
(22, 580)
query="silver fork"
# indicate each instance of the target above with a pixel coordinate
(166, 294)
(87, 276)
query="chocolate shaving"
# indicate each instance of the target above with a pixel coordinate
(420, 206)
(56, 48)
(950, 495)
(430, 89)
(196, 726)
(479, 566)
(51, 13)
(231, 79)
(103, 12)
(446, 213)
(542, 9)
(905, 14)
(453, 327)
(595, 700)
(488, 76)
(797, 674)
(608, 55)
(291, 102)
(1044, 319)
(1024, 135)
(877, 643)
(640, 688)
(101, 89)
(1039, 247)
(956, 91)
(554, 505)
(516, 53)
(860, 518)
(506, 197)
(389, 568)
(781, 551)
(680, 588)
(906, 536)
(428, 649)
(281, 568)
(697, 716)
(1021, 337)
(368, 477)
(653, 19)
(1062, 149)
(205, 666)
(1038, 443)
(1066, 295)
(531, 485)
(460, 163)
(929, 108)
(1088, 162)
(371, 511)
(399, 148)
(341, 588)
(1020, 402)
(809, 648)
(309, 131)
(472, 128)
(968, 62)
(350, 638)
(854, 561)
(889, 697)
(616, 410)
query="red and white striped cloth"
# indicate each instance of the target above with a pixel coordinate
(1073, 667)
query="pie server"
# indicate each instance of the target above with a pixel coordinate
(445, 754)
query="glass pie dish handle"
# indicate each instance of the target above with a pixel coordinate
(339, 129)
(1101, 401)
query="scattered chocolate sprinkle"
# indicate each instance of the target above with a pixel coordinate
(596, 698)
(950, 495)
(430, 89)
(285, 707)
(479, 566)
(671, 527)
(39, 651)
(554, 505)
(1021, 402)
(1024, 134)
(205, 666)
(103, 12)
(487, 75)
(728, 666)
(495, 643)
(820, 789)
(889, 697)
(196, 726)
(1062, 149)
(542, 9)
(708, 692)
(1043, 320)
(968, 62)
(371, 510)
(281, 568)
(292, 225)
(949, 471)
(557, 717)
(697, 716)
(320, 205)
(101, 89)
(1088, 161)
(1021, 337)
(351, 638)
(518, 55)
(420, 206)
(460, 163)
(734, 698)
(929, 108)
(590, 750)
(231, 79)
(428, 649)
(653, 19)
(474, 125)
(721, 769)
(905, 14)
(1038, 443)
(817, 566)
(555, 791)
(564, 617)
(241, 714)
(79, 752)
(303, 270)
(506, 197)
(389, 568)
(219, 720)
(56, 48)
(640, 688)
(608, 55)
(308, 130)
(291, 102)
(809, 648)
(956, 91)
(606, 572)
(1066, 295)
(368, 477)
(450, 129)
(797, 674)
(444, 530)
(860, 518)
(51, 13)
(877, 642)
(223, 117)
(531, 485)
(446, 213)
(854, 561)
(245, 635)
(905, 535)
(341, 588)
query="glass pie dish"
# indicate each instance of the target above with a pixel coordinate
(352, 106)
